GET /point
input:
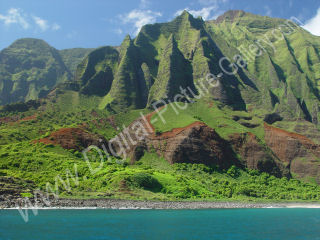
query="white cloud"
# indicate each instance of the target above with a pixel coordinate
(313, 24)
(55, 27)
(144, 4)
(268, 11)
(138, 18)
(209, 11)
(15, 16)
(205, 13)
(212, 2)
(41, 23)
(72, 34)
(290, 3)
(118, 31)
(26, 21)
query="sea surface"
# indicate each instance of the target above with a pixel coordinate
(235, 224)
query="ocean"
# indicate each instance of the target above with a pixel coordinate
(233, 224)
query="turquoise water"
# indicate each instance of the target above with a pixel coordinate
(235, 224)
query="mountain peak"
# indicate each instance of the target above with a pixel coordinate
(29, 43)
(127, 38)
(185, 15)
(230, 16)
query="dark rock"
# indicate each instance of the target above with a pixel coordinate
(300, 154)
(74, 138)
(254, 155)
(272, 118)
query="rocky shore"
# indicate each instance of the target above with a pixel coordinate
(131, 204)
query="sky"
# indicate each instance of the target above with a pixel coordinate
(90, 24)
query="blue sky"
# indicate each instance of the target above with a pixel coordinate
(83, 23)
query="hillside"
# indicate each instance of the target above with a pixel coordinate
(72, 57)
(283, 79)
(30, 69)
(252, 135)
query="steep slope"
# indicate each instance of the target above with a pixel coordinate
(72, 57)
(96, 72)
(129, 88)
(174, 72)
(255, 135)
(282, 62)
(195, 56)
(30, 69)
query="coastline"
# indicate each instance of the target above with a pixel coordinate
(137, 204)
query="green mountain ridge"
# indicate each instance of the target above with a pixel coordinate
(256, 132)
(30, 69)
(277, 81)
(72, 57)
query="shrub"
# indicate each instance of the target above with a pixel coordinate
(233, 171)
(187, 192)
(145, 181)
(28, 195)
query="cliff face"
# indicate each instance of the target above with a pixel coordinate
(282, 78)
(198, 143)
(221, 126)
(255, 155)
(297, 152)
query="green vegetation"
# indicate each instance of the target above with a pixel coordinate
(150, 178)
(209, 112)
(72, 57)
(112, 85)
(30, 69)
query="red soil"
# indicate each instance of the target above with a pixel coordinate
(72, 138)
(9, 119)
(175, 131)
(63, 133)
(15, 119)
(281, 132)
(29, 118)
(112, 122)
(169, 134)
(280, 139)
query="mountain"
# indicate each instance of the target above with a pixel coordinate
(164, 127)
(30, 69)
(284, 79)
(72, 57)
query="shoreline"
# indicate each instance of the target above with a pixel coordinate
(137, 204)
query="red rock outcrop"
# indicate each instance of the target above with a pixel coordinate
(254, 155)
(73, 138)
(300, 154)
(198, 143)
(195, 143)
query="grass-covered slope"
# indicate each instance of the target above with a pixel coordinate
(96, 71)
(129, 88)
(26, 164)
(73, 56)
(174, 72)
(283, 73)
(266, 113)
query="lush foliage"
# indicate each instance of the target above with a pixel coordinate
(111, 83)
(150, 178)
